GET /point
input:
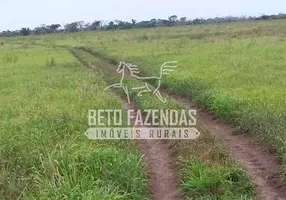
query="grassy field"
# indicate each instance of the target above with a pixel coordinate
(236, 71)
(204, 174)
(45, 96)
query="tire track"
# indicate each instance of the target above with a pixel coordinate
(163, 182)
(261, 166)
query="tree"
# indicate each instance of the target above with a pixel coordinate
(264, 17)
(72, 27)
(38, 31)
(143, 24)
(196, 21)
(43, 29)
(124, 25)
(96, 25)
(166, 22)
(153, 22)
(25, 31)
(110, 25)
(80, 25)
(87, 26)
(173, 19)
(119, 24)
(8, 33)
(183, 20)
(134, 22)
(55, 27)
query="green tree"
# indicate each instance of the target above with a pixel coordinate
(183, 20)
(25, 31)
(55, 27)
(96, 25)
(72, 27)
(173, 19)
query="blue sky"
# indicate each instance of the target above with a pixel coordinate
(15, 14)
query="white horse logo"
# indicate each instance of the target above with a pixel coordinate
(133, 70)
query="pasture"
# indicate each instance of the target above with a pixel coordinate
(235, 71)
(45, 97)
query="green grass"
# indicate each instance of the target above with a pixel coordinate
(203, 174)
(235, 70)
(216, 182)
(45, 97)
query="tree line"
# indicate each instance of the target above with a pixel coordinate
(173, 20)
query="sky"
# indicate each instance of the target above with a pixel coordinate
(15, 14)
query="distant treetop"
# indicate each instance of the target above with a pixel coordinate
(173, 20)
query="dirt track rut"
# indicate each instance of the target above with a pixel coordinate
(163, 181)
(261, 166)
